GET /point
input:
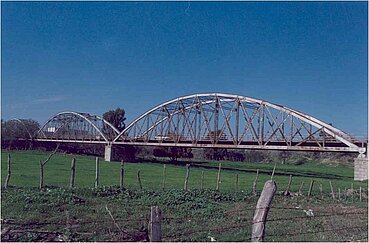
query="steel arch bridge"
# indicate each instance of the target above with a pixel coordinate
(77, 127)
(212, 120)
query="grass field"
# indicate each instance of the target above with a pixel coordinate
(193, 215)
(25, 173)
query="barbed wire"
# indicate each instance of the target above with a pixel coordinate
(319, 231)
(249, 223)
(76, 222)
(219, 230)
(146, 219)
(168, 219)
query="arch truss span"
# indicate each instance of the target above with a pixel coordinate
(232, 121)
(22, 127)
(72, 126)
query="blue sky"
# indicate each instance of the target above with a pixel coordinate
(96, 56)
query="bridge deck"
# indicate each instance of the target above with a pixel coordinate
(306, 146)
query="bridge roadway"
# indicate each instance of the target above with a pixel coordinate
(306, 146)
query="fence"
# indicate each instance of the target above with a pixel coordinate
(310, 188)
(331, 223)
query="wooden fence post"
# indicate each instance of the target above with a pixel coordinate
(254, 183)
(164, 177)
(43, 163)
(300, 189)
(218, 177)
(339, 194)
(41, 174)
(262, 209)
(121, 184)
(311, 188)
(155, 224)
(139, 179)
(321, 190)
(97, 173)
(187, 175)
(332, 192)
(287, 192)
(275, 164)
(202, 181)
(360, 193)
(9, 173)
(73, 173)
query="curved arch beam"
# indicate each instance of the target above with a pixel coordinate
(332, 131)
(83, 117)
(24, 125)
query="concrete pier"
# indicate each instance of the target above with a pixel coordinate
(361, 168)
(107, 156)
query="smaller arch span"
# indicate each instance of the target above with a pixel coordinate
(77, 126)
(21, 121)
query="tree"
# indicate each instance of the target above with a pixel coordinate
(116, 118)
(216, 154)
(173, 153)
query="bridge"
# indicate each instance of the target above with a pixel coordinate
(211, 120)
(207, 120)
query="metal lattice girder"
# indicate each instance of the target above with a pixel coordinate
(74, 126)
(233, 121)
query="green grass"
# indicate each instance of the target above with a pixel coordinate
(193, 215)
(25, 173)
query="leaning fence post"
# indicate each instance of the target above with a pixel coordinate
(187, 175)
(287, 192)
(300, 189)
(254, 183)
(155, 224)
(121, 174)
(41, 174)
(262, 209)
(311, 188)
(73, 173)
(330, 184)
(275, 164)
(218, 177)
(139, 179)
(9, 173)
(97, 173)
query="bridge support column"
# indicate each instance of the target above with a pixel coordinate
(107, 156)
(361, 168)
